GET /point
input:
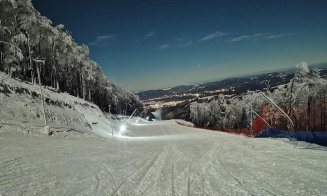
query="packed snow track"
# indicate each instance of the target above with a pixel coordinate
(160, 158)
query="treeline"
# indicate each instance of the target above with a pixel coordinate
(29, 40)
(303, 99)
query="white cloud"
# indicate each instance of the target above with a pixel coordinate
(103, 40)
(179, 44)
(258, 36)
(278, 36)
(214, 35)
(105, 37)
(150, 34)
(240, 38)
(164, 46)
(186, 44)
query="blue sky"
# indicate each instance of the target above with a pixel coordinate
(149, 44)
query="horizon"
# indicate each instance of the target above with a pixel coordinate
(287, 69)
(155, 45)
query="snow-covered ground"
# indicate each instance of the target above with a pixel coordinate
(87, 155)
(159, 158)
(21, 106)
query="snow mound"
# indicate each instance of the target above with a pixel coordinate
(21, 105)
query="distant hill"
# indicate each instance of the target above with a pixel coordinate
(237, 85)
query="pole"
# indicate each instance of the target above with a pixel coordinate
(131, 116)
(140, 115)
(261, 118)
(40, 85)
(282, 111)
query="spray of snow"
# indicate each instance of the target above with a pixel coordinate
(157, 114)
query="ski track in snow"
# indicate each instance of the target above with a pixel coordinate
(176, 160)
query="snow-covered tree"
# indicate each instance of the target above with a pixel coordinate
(303, 99)
(26, 35)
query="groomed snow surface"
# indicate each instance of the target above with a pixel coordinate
(158, 158)
(87, 155)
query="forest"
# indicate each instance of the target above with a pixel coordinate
(30, 43)
(300, 105)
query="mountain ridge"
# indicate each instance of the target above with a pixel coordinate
(235, 85)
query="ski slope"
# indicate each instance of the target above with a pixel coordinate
(159, 158)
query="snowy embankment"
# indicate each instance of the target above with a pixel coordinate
(21, 109)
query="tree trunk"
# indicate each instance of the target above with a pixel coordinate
(290, 99)
(30, 58)
(308, 113)
(321, 113)
(314, 114)
(325, 115)
(325, 128)
(83, 87)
